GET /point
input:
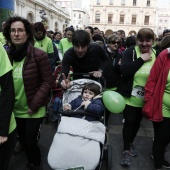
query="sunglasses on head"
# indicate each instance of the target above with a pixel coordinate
(115, 42)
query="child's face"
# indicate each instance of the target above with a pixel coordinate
(88, 95)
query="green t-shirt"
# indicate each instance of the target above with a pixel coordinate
(64, 45)
(2, 38)
(166, 97)
(5, 67)
(139, 81)
(21, 106)
(46, 45)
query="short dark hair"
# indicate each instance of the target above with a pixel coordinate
(131, 40)
(145, 33)
(92, 87)
(80, 38)
(27, 25)
(57, 33)
(39, 26)
(69, 29)
(90, 28)
(97, 37)
(165, 31)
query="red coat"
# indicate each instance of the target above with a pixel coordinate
(155, 86)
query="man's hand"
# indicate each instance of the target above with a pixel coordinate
(96, 74)
(66, 81)
(3, 139)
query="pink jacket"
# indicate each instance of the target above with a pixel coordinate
(155, 86)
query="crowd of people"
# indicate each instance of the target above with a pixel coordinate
(136, 66)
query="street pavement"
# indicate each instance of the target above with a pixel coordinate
(143, 145)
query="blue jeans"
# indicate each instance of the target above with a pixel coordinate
(57, 104)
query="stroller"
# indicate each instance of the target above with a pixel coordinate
(79, 144)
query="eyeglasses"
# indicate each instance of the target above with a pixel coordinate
(19, 31)
(115, 42)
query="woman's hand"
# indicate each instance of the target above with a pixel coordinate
(66, 81)
(3, 139)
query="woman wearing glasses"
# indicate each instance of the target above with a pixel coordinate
(32, 79)
(113, 78)
(136, 64)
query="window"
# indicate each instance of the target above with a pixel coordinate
(79, 16)
(134, 2)
(74, 14)
(123, 2)
(97, 18)
(111, 2)
(98, 2)
(148, 3)
(146, 21)
(110, 17)
(122, 18)
(133, 19)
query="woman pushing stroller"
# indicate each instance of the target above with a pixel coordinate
(89, 100)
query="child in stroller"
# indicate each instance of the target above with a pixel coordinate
(77, 142)
(89, 100)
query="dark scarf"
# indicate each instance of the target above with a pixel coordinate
(18, 54)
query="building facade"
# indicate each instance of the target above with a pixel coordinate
(163, 20)
(79, 17)
(128, 15)
(54, 17)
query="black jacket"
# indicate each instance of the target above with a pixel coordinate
(6, 102)
(94, 59)
(129, 66)
(112, 72)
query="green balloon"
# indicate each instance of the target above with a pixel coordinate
(113, 101)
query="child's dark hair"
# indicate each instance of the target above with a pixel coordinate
(92, 87)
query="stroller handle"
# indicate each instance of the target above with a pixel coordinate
(101, 79)
(79, 112)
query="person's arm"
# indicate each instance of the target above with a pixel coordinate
(64, 80)
(50, 53)
(47, 79)
(6, 102)
(129, 64)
